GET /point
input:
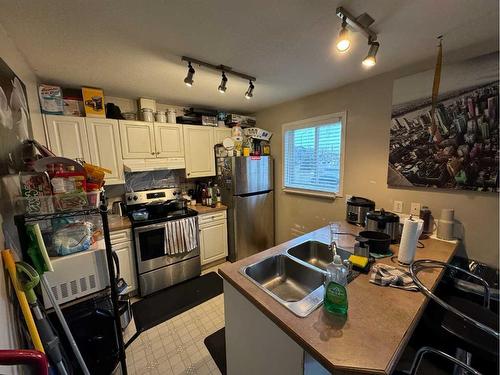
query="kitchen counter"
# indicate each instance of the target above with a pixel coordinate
(207, 210)
(117, 222)
(380, 320)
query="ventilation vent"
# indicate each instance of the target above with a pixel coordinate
(83, 284)
(55, 293)
(92, 281)
(74, 287)
(64, 290)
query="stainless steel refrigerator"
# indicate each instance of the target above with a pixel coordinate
(246, 185)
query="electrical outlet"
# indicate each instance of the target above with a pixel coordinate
(398, 206)
(415, 209)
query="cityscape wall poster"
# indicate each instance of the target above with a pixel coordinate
(467, 156)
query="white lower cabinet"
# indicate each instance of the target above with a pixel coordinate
(213, 236)
(121, 244)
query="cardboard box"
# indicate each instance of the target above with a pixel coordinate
(93, 102)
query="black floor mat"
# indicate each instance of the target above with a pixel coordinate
(166, 304)
(216, 345)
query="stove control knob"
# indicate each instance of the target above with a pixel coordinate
(129, 198)
(135, 197)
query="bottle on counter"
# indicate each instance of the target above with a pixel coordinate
(218, 198)
(209, 194)
(204, 197)
(335, 299)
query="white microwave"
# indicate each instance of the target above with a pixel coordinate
(77, 275)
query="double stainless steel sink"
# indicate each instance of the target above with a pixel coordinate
(295, 277)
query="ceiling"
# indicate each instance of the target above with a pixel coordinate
(132, 48)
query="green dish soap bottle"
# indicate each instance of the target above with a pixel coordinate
(335, 299)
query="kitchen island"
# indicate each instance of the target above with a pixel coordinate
(262, 336)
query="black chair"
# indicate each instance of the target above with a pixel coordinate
(417, 362)
(474, 328)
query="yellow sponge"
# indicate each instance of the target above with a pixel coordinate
(358, 261)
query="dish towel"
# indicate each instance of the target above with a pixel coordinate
(383, 274)
(180, 236)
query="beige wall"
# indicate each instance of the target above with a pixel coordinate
(368, 106)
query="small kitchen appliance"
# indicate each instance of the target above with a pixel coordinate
(383, 221)
(356, 210)
(158, 265)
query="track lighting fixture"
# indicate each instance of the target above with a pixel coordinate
(220, 68)
(360, 24)
(370, 59)
(249, 93)
(189, 78)
(343, 41)
(222, 87)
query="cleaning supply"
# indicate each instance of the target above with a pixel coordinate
(8, 261)
(335, 299)
(40, 258)
(28, 279)
(360, 263)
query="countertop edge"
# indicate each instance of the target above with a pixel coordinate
(310, 349)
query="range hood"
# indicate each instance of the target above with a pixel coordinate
(143, 165)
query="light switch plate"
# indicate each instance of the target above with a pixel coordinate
(398, 206)
(415, 209)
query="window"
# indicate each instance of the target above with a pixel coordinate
(313, 154)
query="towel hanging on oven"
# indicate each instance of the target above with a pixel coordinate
(180, 236)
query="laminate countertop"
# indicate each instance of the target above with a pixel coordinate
(380, 320)
(207, 210)
(117, 222)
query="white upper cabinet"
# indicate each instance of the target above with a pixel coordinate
(104, 144)
(199, 151)
(67, 136)
(169, 140)
(137, 139)
(221, 134)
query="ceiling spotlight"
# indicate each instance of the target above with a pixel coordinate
(343, 41)
(249, 93)
(189, 78)
(370, 59)
(222, 87)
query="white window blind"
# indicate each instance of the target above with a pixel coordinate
(313, 154)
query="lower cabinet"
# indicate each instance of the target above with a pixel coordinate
(121, 244)
(213, 236)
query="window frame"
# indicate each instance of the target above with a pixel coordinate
(313, 122)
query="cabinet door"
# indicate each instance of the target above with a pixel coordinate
(105, 149)
(169, 140)
(213, 241)
(199, 151)
(221, 134)
(67, 136)
(127, 263)
(137, 139)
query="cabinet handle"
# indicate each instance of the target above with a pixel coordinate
(157, 152)
(189, 174)
(152, 153)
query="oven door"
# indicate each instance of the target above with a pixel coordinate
(150, 248)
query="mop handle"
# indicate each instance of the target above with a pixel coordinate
(64, 325)
(23, 302)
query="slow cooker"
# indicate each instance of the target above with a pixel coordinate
(383, 221)
(356, 210)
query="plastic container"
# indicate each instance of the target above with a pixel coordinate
(335, 299)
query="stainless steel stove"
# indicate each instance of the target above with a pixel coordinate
(149, 211)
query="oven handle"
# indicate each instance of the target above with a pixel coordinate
(158, 225)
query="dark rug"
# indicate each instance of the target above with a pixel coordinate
(165, 304)
(216, 345)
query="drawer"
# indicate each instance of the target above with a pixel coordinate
(119, 236)
(210, 217)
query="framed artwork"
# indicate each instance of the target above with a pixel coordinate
(465, 156)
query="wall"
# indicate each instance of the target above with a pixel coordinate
(11, 55)
(368, 105)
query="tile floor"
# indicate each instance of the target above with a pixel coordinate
(176, 346)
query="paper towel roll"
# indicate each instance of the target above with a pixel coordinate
(411, 231)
